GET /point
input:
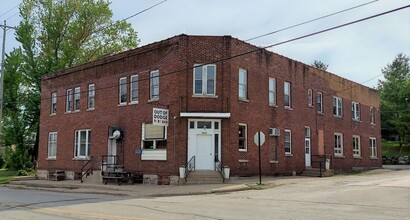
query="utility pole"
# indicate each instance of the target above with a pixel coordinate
(3, 54)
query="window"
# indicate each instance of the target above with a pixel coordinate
(69, 100)
(154, 85)
(122, 90)
(204, 79)
(77, 99)
(243, 77)
(372, 115)
(91, 96)
(287, 94)
(338, 144)
(52, 145)
(373, 149)
(53, 103)
(356, 146)
(272, 91)
(242, 137)
(307, 140)
(310, 98)
(134, 89)
(319, 100)
(288, 142)
(337, 106)
(153, 137)
(356, 111)
(82, 143)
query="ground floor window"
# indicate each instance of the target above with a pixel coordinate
(242, 137)
(356, 146)
(82, 143)
(52, 145)
(373, 150)
(153, 137)
(288, 142)
(338, 144)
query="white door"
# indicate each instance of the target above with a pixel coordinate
(204, 159)
(112, 151)
(307, 153)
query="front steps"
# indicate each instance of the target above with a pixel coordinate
(315, 172)
(204, 177)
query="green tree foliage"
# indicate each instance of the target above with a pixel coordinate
(56, 35)
(395, 98)
(320, 65)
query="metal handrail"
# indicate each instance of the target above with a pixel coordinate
(219, 168)
(88, 171)
(105, 164)
(190, 166)
(322, 162)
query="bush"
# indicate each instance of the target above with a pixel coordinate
(2, 161)
(22, 173)
(18, 158)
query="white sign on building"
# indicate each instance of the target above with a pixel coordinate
(160, 116)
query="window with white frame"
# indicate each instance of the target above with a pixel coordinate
(288, 142)
(69, 100)
(204, 79)
(52, 145)
(287, 93)
(134, 89)
(243, 77)
(53, 103)
(122, 90)
(373, 149)
(319, 100)
(338, 144)
(91, 96)
(82, 143)
(77, 94)
(154, 137)
(356, 146)
(242, 137)
(356, 111)
(337, 106)
(272, 91)
(372, 116)
(154, 85)
(310, 98)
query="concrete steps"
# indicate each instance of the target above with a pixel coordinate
(204, 177)
(315, 172)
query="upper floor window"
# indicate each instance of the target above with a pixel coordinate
(337, 106)
(122, 90)
(288, 142)
(52, 145)
(53, 103)
(243, 77)
(356, 146)
(69, 100)
(91, 96)
(242, 137)
(319, 100)
(82, 143)
(373, 149)
(310, 98)
(372, 116)
(272, 91)
(287, 94)
(154, 85)
(356, 111)
(205, 79)
(134, 89)
(77, 94)
(338, 144)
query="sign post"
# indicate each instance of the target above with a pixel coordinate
(259, 140)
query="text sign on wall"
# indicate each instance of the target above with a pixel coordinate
(160, 116)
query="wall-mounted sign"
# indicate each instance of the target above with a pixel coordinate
(139, 152)
(160, 116)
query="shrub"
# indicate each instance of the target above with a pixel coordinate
(2, 161)
(22, 173)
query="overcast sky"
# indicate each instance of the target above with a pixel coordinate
(356, 52)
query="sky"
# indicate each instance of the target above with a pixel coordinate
(357, 52)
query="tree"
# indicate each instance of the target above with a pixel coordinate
(320, 65)
(55, 35)
(395, 98)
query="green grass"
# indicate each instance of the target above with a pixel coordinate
(6, 176)
(393, 149)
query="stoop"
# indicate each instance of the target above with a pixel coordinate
(204, 177)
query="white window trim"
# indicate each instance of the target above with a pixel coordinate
(341, 144)
(53, 103)
(120, 88)
(91, 93)
(246, 138)
(373, 140)
(50, 145)
(151, 86)
(319, 103)
(287, 93)
(69, 101)
(244, 85)
(154, 140)
(132, 88)
(204, 81)
(339, 109)
(372, 118)
(77, 97)
(273, 91)
(77, 144)
(355, 111)
(290, 141)
(359, 154)
(310, 98)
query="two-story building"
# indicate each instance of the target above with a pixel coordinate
(215, 93)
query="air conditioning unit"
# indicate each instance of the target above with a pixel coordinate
(274, 132)
(115, 133)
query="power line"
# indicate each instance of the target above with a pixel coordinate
(9, 11)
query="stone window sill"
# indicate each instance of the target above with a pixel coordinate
(243, 161)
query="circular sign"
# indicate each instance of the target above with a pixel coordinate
(259, 138)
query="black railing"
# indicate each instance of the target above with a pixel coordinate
(190, 166)
(108, 162)
(220, 169)
(324, 162)
(87, 169)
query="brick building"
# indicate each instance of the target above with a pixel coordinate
(217, 96)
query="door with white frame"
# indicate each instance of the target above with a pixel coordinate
(112, 152)
(308, 162)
